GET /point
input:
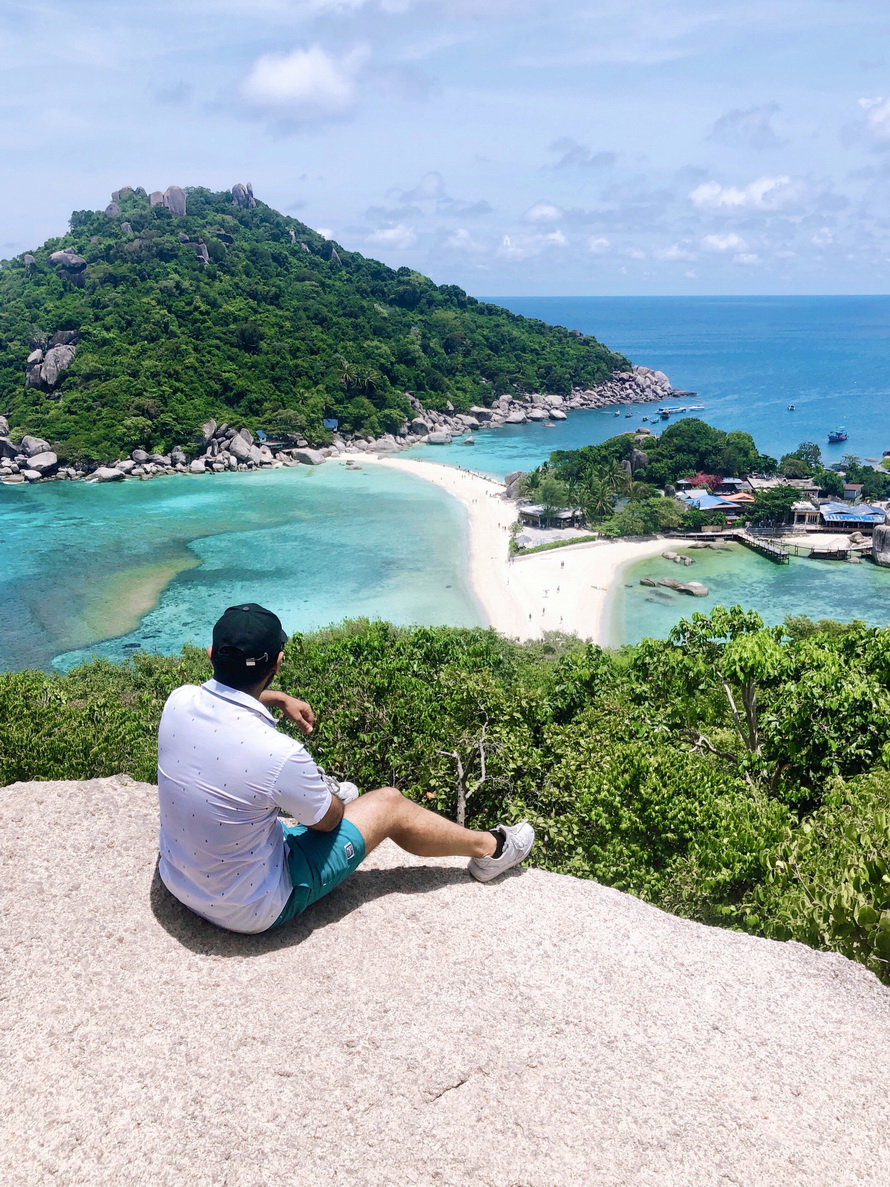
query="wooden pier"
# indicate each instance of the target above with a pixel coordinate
(767, 548)
(772, 552)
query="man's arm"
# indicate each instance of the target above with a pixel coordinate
(331, 818)
(292, 708)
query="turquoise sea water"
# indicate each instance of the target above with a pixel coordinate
(101, 569)
(820, 589)
(315, 545)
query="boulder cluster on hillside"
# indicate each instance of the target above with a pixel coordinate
(221, 448)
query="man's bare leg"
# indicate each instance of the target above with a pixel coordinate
(387, 813)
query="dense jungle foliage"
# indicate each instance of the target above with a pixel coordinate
(618, 484)
(270, 334)
(732, 773)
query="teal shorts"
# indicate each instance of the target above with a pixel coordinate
(318, 862)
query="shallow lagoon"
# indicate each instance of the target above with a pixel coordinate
(819, 589)
(96, 569)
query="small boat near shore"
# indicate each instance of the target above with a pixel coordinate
(837, 435)
(791, 408)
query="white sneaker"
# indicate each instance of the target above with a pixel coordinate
(347, 792)
(518, 841)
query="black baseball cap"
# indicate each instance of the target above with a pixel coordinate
(247, 636)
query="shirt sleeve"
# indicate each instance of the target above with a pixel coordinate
(300, 789)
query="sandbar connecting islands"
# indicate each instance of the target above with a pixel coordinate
(565, 589)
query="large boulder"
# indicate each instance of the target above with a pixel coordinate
(638, 460)
(8, 448)
(68, 260)
(198, 466)
(57, 360)
(145, 1046)
(206, 433)
(535, 414)
(242, 195)
(239, 448)
(439, 438)
(156, 198)
(515, 418)
(4, 426)
(175, 201)
(65, 338)
(106, 474)
(45, 463)
(31, 446)
(309, 457)
(880, 546)
(112, 210)
(694, 588)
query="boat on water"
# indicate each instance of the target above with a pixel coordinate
(837, 435)
(791, 408)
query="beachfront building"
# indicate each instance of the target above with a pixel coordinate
(806, 516)
(703, 500)
(829, 515)
(807, 488)
(862, 517)
(537, 516)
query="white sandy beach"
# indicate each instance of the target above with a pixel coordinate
(566, 589)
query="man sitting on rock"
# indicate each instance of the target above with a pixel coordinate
(224, 770)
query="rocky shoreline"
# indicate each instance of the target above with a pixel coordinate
(222, 448)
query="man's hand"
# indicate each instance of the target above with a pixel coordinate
(291, 708)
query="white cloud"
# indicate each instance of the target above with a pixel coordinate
(635, 253)
(674, 252)
(597, 244)
(728, 242)
(521, 247)
(748, 258)
(543, 212)
(877, 119)
(461, 240)
(398, 237)
(823, 237)
(766, 193)
(431, 185)
(305, 85)
(325, 232)
(748, 128)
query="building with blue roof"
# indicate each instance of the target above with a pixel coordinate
(855, 518)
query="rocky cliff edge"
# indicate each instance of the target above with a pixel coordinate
(414, 1027)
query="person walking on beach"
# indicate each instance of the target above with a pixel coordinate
(224, 770)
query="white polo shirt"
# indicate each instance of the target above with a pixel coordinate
(224, 770)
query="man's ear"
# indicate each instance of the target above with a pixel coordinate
(278, 663)
(210, 652)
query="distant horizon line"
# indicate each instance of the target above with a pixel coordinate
(674, 296)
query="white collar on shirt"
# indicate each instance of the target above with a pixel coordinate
(237, 697)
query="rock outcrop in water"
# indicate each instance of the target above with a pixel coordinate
(880, 546)
(694, 588)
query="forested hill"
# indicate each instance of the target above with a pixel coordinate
(193, 305)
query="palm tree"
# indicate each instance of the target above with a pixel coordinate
(596, 499)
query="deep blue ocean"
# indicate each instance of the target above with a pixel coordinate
(747, 358)
(87, 569)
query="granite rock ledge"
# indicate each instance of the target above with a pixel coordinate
(413, 1027)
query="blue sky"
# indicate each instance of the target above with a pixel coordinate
(509, 146)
